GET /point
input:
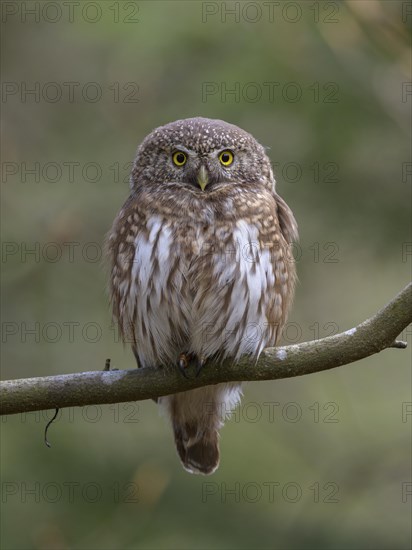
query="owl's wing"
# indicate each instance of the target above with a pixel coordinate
(287, 222)
(120, 248)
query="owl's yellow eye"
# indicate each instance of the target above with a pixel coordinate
(179, 158)
(226, 158)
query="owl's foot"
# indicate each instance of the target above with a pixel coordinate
(187, 360)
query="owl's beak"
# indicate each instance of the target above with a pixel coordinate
(202, 177)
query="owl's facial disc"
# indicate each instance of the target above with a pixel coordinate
(202, 168)
(198, 174)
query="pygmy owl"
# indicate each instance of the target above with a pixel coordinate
(201, 266)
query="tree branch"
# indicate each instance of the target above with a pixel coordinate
(99, 387)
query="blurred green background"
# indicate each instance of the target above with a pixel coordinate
(322, 461)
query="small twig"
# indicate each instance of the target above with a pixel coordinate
(47, 427)
(399, 344)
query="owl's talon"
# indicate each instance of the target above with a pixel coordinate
(183, 363)
(200, 364)
(182, 370)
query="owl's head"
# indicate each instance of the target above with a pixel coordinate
(201, 155)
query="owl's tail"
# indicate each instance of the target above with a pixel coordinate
(196, 416)
(199, 453)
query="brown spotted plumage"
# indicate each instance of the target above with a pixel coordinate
(201, 266)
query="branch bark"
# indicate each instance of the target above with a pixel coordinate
(102, 387)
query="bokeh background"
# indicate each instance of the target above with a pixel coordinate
(322, 461)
